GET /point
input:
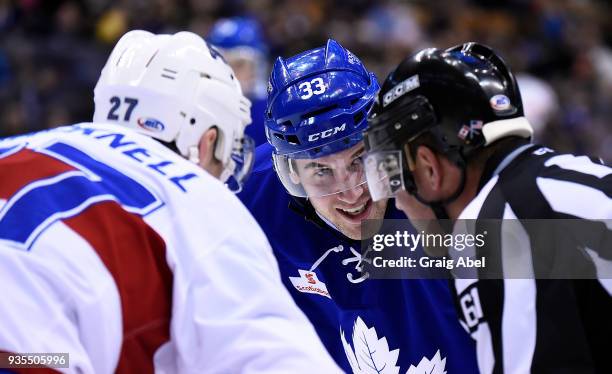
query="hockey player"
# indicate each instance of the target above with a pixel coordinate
(242, 43)
(309, 194)
(452, 123)
(120, 247)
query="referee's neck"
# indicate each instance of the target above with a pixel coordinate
(470, 191)
(498, 153)
(479, 173)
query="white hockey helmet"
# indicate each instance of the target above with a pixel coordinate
(174, 88)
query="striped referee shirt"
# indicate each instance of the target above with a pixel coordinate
(543, 325)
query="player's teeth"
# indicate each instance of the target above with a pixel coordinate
(357, 210)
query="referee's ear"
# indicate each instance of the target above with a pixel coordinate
(428, 172)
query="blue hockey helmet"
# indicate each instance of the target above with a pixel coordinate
(318, 104)
(236, 32)
(241, 41)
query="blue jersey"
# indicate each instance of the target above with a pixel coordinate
(368, 325)
(256, 129)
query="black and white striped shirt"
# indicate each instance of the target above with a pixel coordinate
(543, 325)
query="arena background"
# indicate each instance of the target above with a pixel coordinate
(51, 52)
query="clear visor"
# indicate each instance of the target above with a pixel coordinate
(322, 176)
(384, 172)
(242, 160)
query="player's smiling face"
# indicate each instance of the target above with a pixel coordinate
(345, 209)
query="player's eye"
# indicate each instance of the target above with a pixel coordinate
(323, 172)
(356, 164)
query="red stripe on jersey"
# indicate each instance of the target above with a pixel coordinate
(135, 255)
(25, 167)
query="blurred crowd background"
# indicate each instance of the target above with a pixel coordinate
(51, 52)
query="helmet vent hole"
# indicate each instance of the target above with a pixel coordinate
(319, 111)
(192, 121)
(293, 139)
(354, 101)
(358, 117)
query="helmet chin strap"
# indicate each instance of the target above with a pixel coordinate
(193, 154)
(228, 171)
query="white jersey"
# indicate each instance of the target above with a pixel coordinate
(131, 259)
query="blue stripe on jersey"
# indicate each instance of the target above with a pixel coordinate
(39, 204)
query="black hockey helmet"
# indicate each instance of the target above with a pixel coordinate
(464, 96)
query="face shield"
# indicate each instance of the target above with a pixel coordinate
(306, 176)
(384, 173)
(387, 135)
(240, 164)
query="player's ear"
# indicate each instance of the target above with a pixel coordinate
(427, 164)
(207, 152)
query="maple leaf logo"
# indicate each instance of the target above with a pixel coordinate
(434, 366)
(372, 355)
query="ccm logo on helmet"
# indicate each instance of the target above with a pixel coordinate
(151, 124)
(326, 134)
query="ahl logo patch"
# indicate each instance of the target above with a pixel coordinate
(500, 102)
(308, 282)
(352, 58)
(151, 124)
